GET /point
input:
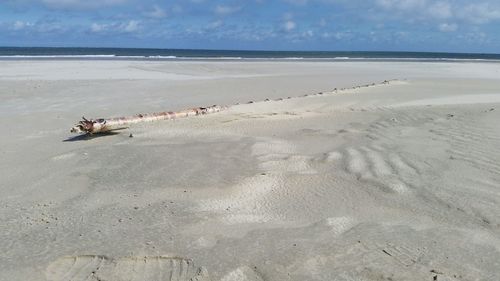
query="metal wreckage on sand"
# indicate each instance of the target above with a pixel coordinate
(94, 126)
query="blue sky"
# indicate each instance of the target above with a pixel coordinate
(392, 25)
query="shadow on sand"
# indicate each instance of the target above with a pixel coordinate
(87, 137)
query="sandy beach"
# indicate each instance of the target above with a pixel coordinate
(396, 181)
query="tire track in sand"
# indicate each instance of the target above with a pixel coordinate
(100, 268)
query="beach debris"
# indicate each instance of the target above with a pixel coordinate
(102, 125)
(387, 253)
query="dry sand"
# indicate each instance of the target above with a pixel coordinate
(392, 182)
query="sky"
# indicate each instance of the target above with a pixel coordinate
(323, 25)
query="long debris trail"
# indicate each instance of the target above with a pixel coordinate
(93, 126)
(103, 125)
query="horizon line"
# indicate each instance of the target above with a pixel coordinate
(254, 50)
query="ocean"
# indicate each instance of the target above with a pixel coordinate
(16, 53)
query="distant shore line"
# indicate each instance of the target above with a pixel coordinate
(65, 53)
(236, 59)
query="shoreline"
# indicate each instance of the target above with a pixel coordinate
(234, 59)
(214, 54)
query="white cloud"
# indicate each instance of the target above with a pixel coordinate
(308, 33)
(403, 5)
(289, 25)
(156, 13)
(123, 27)
(19, 25)
(131, 26)
(448, 27)
(225, 10)
(96, 28)
(341, 35)
(80, 4)
(475, 38)
(429, 10)
(216, 24)
(40, 26)
(440, 10)
(480, 13)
